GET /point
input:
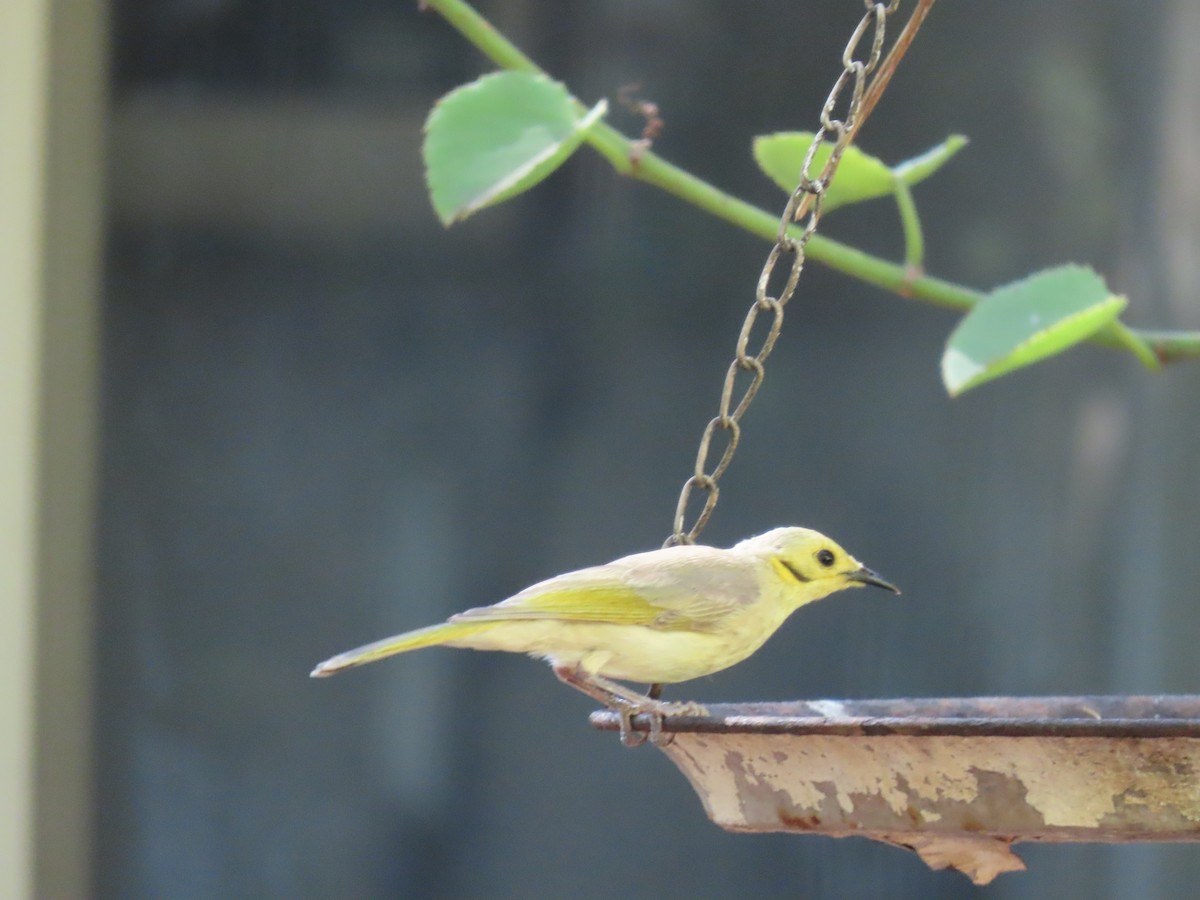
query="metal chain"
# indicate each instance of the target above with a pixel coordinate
(803, 205)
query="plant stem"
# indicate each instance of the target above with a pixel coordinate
(910, 224)
(483, 34)
(644, 165)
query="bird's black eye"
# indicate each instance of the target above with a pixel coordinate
(825, 557)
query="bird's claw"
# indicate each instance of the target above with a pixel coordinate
(657, 712)
(629, 737)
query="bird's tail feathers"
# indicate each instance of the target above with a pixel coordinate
(400, 643)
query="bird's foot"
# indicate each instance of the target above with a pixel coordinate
(657, 711)
(684, 708)
(627, 703)
(629, 737)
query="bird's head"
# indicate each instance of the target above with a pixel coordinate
(811, 565)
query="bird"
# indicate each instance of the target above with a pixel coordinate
(658, 617)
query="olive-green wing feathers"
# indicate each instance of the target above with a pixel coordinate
(667, 592)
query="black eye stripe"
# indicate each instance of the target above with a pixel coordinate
(796, 573)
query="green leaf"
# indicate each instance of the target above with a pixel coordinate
(498, 136)
(859, 176)
(920, 167)
(1026, 321)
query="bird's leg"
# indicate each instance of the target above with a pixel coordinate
(626, 703)
(654, 691)
(646, 703)
(581, 681)
(623, 707)
(642, 702)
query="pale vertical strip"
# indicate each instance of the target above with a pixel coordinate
(51, 76)
(73, 149)
(22, 92)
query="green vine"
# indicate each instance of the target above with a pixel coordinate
(631, 158)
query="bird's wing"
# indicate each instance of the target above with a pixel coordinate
(682, 588)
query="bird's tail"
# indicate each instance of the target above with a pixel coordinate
(400, 643)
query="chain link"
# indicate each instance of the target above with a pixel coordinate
(803, 208)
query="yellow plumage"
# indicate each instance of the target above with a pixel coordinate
(659, 617)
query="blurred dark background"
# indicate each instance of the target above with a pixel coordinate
(327, 419)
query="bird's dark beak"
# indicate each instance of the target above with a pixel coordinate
(866, 576)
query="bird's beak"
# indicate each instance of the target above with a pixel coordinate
(866, 576)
